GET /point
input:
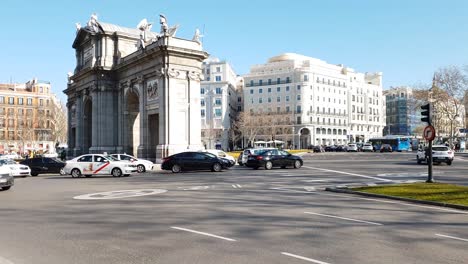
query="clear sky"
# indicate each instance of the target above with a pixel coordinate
(407, 40)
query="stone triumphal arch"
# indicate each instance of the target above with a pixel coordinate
(134, 91)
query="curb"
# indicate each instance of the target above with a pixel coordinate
(348, 191)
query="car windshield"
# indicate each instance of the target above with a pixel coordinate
(210, 155)
(111, 158)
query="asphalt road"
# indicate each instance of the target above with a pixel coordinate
(235, 216)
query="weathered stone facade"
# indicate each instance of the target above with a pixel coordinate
(138, 99)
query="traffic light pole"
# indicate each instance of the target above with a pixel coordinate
(430, 179)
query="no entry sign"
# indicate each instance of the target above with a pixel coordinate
(429, 133)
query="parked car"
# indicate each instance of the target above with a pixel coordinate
(17, 170)
(6, 179)
(318, 149)
(194, 161)
(440, 153)
(12, 156)
(386, 148)
(239, 159)
(367, 147)
(274, 158)
(330, 148)
(41, 165)
(352, 147)
(221, 154)
(341, 148)
(98, 164)
(142, 164)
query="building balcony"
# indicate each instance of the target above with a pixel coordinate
(266, 83)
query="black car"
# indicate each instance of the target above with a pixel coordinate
(386, 148)
(273, 158)
(41, 165)
(194, 161)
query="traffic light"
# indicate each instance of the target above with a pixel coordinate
(426, 113)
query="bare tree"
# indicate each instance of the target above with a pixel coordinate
(451, 85)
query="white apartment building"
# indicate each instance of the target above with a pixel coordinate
(219, 103)
(327, 104)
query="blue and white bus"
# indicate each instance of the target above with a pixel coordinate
(398, 143)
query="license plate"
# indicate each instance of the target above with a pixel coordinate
(3, 180)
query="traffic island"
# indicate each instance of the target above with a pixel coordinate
(438, 194)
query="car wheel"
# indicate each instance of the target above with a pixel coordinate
(34, 174)
(75, 173)
(216, 167)
(297, 164)
(449, 163)
(116, 172)
(176, 168)
(141, 168)
(6, 188)
(268, 165)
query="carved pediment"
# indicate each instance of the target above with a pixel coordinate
(82, 37)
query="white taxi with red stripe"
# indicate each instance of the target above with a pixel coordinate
(98, 164)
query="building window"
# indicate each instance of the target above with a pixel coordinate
(203, 112)
(218, 101)
(11, 100)
(217, 112)
(29, 101)
(298, 109)
(287, 88)
(278, 99)
(202, 90)
(288, 80)
(202, 102)
(260, 100)
(251, 83)
(306, 78)
(218, 78)
(278, 80)
(298, 120)
(2, 99)
(269, 81)
(218, 90)
(20, 101)
(269, 89)
(239, 99)
(278, 89)
(239, 108)
(260, 90)
(41, 102)
(260, 82)
(288, 109)
(298, 87)
(41, 89)
(218, 69)
(251, 91)
(287, 98)
(298, 97)
(269, 99)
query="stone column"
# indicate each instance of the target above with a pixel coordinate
(77, 151)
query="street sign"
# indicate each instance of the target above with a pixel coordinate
(429, 133)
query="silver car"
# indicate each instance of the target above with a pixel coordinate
(6, 179)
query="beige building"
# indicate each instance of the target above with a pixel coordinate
(28, 115)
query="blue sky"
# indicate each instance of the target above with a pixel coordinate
(406, 40)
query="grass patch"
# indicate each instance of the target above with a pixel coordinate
(435, 192)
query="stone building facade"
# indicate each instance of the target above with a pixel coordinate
(134, 91)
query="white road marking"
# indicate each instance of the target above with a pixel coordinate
(310, 189)
(202, 233)
(236, 186)
(287, 190)
(304, 258)
(5, 261)
(347, 173)
(119, 194)
(452, 237)
(316, 180)
(195, 188)
(394, 202)
(344, 218)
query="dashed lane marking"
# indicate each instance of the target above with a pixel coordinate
(304, 258)
(202, 233)
(5, 261)
(236, 186)
(195, 188)
(343, 218)
(452, 237)
(119, 194)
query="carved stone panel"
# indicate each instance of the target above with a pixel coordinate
(152, 89)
